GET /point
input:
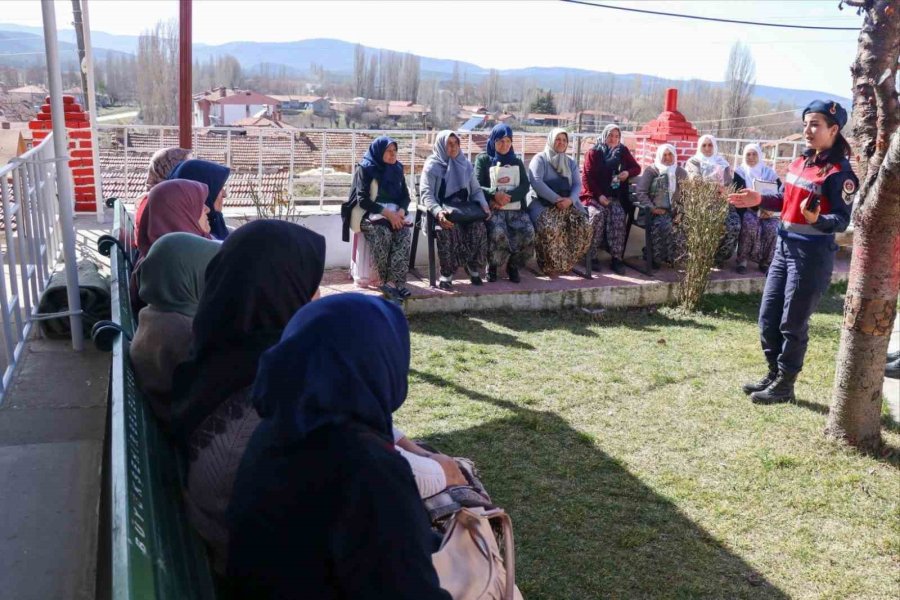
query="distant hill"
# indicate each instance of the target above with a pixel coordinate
(336, 56)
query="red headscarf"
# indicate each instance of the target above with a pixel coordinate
(174, 205)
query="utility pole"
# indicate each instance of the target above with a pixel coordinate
(79, 36)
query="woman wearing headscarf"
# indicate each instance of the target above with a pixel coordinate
(607, 168)
(712, 166)
(447, 177)
(162, 163)
(264, 272)
(324, 507)
(562, 230)
(759, 228)
(172, 279)
(658, 189)
(172, 206)
(380, 189)
(504, 181)
(214, 176)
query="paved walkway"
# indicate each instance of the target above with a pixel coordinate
(52, 426)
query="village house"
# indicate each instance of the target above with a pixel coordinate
(223, 106)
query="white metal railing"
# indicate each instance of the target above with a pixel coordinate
(30, 246)
(313, 166)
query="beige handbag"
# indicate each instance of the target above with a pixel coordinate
(468, 562)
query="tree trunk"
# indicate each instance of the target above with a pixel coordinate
(871, 301)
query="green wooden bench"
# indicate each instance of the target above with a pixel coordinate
(152, 551)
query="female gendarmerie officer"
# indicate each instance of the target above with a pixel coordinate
(814, 204)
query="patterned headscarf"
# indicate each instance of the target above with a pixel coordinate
(162, 163)
(558, 160)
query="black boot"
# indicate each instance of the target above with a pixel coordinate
(780, 390)
(758, 386)
(492, 273)
(892, 369)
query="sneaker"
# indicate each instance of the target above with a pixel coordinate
(618, 266)
(403, 291)
(892, 369)
(445, 284)
(780, 390)
(492, 273)
(476, 280)
(389, 291)
(513, 274)
(741, 267)
(892, 356)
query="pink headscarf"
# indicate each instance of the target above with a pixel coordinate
(174, 205)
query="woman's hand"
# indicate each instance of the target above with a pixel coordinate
(658, 211)
(394, 217)
(745, 199)
(623, 175)
(603, 200)
(487, 212)
(443, 221)
(451, 470)
(563, 203)
(811, 216)
(502, 199)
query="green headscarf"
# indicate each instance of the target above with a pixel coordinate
(172, 276)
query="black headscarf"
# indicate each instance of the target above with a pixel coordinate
(264, 272)
(341, 359)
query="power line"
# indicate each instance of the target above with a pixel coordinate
(714, 19)
(780, 112)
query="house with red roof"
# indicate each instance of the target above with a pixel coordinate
(223, 106)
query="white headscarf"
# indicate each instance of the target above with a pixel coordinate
(709, 163)
(558, 160)
(456, 172)
(604, 135)
(669, 170)
(760, 171)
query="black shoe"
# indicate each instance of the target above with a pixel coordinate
(892, 369)
(892, 356)
(758, 386)
(763, 268)
(476, 280)
(618, 266)
(741, 269)
(655, 266)
(492, 274)
(596, 264)
(445, 285)
(513, 274)
(780, 390)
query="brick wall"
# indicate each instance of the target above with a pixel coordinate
(78, 127)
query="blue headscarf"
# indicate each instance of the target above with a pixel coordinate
(500, 130)
(456, 172)
(341, 359)
(214, 176)
(389, 177)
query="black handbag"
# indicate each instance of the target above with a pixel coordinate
(462, 212)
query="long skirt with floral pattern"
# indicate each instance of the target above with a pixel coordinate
(562, 237)
(608, 226)
(510, 238)
(464, 245)
(390, 250)
(662, 239)
(728, 245)
(757, 240)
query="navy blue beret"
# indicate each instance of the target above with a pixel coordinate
(833, 111)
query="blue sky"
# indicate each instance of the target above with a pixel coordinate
(508, 34)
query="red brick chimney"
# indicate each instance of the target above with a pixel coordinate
(78, 128)
(670, 127)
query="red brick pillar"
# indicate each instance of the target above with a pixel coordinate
(78, 127)
(670, 127)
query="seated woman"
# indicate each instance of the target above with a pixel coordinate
(658, 189)
(172, 206)
(562, 230)
(710, 165)
(380, 189)
(214, 176)
(264, 272)
(759, 227)
(161, 165)
(449, 179)
(504, 181)
(323, 506)
(172, 279)
(607, 168)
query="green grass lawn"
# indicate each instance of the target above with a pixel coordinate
(634, 467)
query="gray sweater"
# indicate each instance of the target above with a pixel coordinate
(540, 171)
(430, 185)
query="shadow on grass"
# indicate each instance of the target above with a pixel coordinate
(745, 307)
(585, 527)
